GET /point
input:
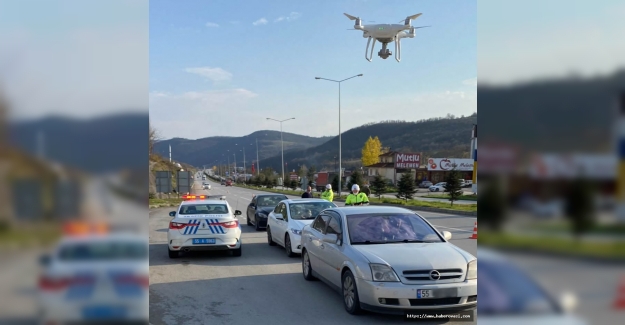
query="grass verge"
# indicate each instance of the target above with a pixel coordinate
(30, 236)
(565, 227)
(547, 244)
(160, 203)
(414, 203)
(446, 197)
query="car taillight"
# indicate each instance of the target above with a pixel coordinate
(230, 224)
(176, 225)
(53, 284)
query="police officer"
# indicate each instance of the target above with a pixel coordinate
(356, 198)
(328, 194)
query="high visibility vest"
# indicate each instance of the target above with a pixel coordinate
(358, 198)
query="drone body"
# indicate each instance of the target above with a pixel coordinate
(385, 34)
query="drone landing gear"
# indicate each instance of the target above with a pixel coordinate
(384, 53)
(369, 55)
(397, 48)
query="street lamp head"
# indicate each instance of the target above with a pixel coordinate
(360, 75)
(317, 78)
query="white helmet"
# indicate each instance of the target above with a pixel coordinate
(355, 187)
(329, 187)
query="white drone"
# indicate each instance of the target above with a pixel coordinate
(386, 33)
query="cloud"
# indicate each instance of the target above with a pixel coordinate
(214, 74)
(261, 21)
(209, 24)
(291, 17)
(470, 82)
(184, 114)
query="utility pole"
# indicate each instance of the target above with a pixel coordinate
(257, 160)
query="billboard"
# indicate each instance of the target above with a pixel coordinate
(407, 160)
(446, 164)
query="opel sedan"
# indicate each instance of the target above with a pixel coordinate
(388, 260)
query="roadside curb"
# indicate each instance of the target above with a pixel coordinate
(542, 253)
(409, 207)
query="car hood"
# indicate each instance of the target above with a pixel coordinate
(416, 256)
(531, 319)
(265, 210)
(300, 224)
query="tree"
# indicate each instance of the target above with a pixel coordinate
(357, 178)
(378, 186)
(453, 186)
(335, 183)
(580, 207)
(492, 205)
(293, 184)
(310, 173)
(406, 187)
(371, 151)
(152, 139)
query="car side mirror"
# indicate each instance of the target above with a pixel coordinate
(279, 216)
(45, 260)
(330, 238)
(237, 212)
(568, 302)
(172, 214)
(447, 235)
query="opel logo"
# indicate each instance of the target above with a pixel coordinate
(434, 275)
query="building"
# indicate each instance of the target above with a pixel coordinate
(439, 168)
(392, 165)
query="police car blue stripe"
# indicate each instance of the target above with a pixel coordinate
(216, 227)
(220, 227)
(197, 227)
(209, 221)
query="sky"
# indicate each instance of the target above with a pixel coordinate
(224, 67)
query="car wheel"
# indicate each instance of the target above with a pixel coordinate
(249, 222)
(307, 267)
(350, 294)
(173, 254)
(287, 246)
(269, 238)
(438, 190)
(257, 225)
(237, 252)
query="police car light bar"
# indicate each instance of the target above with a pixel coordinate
(203, 197)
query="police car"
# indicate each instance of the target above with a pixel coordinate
(204, 223)
(94, 274)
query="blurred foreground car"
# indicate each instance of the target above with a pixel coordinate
(260, 207)
(101, 277)
(204, 223)
(285, 223)
(510, 297)
(425, 184)
(388, 260)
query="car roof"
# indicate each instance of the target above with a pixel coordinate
(274, 194)
(370, 209)
(289, 201)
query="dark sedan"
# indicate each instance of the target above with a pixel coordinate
(260, 207)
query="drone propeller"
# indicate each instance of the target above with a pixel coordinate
(350, 16)
(421, 27)
(413, 17)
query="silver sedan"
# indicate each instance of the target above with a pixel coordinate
(387, 260)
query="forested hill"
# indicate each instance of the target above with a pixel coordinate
(436, 137)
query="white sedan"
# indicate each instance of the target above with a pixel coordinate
(285, 222)
(439, 187)
(388, 260)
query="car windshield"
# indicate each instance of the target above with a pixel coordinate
(504, 290)
(103, 251)
(383, 228)
(269, 200)
(206, 208)
(308, 210)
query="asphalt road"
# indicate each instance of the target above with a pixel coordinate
(263, 286)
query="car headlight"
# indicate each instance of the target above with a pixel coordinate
(472, 270)
(296, 231)
(383, 273)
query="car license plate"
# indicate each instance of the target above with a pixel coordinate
(421, 294)
(200, 241)
(103, 312)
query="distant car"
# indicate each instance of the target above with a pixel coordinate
(95, 278)
(260, 207)
(223, 182)
(229, 182)
(285, 223)
(425, 184)
(206, 186)
(439, 187)
(388, 260)
(204, 224)
(467, 183)
(509, 296)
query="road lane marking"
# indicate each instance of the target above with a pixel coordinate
(453, 228)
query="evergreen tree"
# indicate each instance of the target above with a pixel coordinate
(293, 184)
(356, 178)
(492, 205)
(453, 186)
(406, 187)
(335, 183)
(310, 174)
(579, 207)
(378, 186)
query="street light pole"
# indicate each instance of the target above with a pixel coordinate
(282, 141)
(257, 160)
(340, 142)
(244, 168)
